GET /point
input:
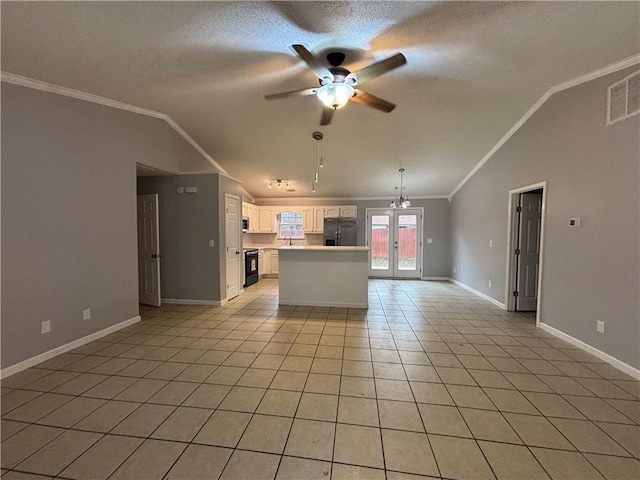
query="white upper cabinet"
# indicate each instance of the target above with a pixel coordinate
(266, 220)
(350, 212)
(313, 219)
(254, 218)
(308, 219)
(318, 219)
(331, 212)
(262, 219)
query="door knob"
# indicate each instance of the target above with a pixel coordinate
(155, 255)
(237, 253)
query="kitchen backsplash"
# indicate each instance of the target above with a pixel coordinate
(271, 240)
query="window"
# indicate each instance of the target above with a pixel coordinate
(290, 224)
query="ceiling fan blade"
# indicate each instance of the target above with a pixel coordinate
(372, 101)
(294, 93)
(327, 115)
(378, 68)
(318, 67)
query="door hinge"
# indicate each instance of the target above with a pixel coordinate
(517, 251)
(518, 209)
(515, 293)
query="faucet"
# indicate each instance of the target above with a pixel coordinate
(285, 239)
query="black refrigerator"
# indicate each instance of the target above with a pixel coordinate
(340, 231)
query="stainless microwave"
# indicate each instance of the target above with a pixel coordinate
(245, 224)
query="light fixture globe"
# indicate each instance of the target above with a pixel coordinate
(335, 95)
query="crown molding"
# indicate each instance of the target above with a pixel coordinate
(601, 72)
(107, 102)
(345, 199)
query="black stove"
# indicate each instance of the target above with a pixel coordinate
(250, 266)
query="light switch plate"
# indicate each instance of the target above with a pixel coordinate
(212, 243)
(600, 326)
(86, 314)
(45, 327)
(429, 240)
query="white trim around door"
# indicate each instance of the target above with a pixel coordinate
(512, 239)
(394, 226)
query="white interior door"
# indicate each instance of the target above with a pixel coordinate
(148, 251)
(395, 239)
(528, 251)
(232, 245)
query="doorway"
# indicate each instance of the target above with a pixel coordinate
(395, 240)
(148, 250)
(525, 248)
(233, 247)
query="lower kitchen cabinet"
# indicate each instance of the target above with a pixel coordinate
(261, 263)
(274, 261)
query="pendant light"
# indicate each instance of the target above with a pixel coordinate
(402, 201)
(317, 163)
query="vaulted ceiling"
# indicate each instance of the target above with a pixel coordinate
(473, 69)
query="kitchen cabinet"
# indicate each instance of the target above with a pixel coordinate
(318, 219)
(252, 213)
(274, 262)
(331, 212)
(266, 224)
(261, 263)
(308, 219)
(254, 218)
(313, 219)
(349, 211)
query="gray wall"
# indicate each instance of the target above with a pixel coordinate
(189, 267)
(69, 214)
(436, 256)
(592, 170)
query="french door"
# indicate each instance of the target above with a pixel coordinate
(395, 239)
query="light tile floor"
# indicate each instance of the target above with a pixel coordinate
(430, 381)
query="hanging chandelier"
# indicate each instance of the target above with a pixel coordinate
(402, 201)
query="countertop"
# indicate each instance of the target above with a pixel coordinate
(322, 248)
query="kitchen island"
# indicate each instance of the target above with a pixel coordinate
(324, 276)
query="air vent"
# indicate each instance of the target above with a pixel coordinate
(624, 99)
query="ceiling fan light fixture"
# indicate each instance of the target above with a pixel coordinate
(335, 95)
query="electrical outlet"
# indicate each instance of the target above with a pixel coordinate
(490, 243)
(86, 314)
(600, 326)
(45, 327)
(489, 283)
(455, 269)
(212, 243)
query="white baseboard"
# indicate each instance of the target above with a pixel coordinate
(480, 294)
(33, 361)
(325, 304)
(183, 301)
(619, 364)
(436, 279)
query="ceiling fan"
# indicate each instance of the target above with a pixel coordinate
(337, 83)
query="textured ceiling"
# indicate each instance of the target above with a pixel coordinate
(473, 69)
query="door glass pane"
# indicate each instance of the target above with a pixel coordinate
(407, 241)
(380, 242)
